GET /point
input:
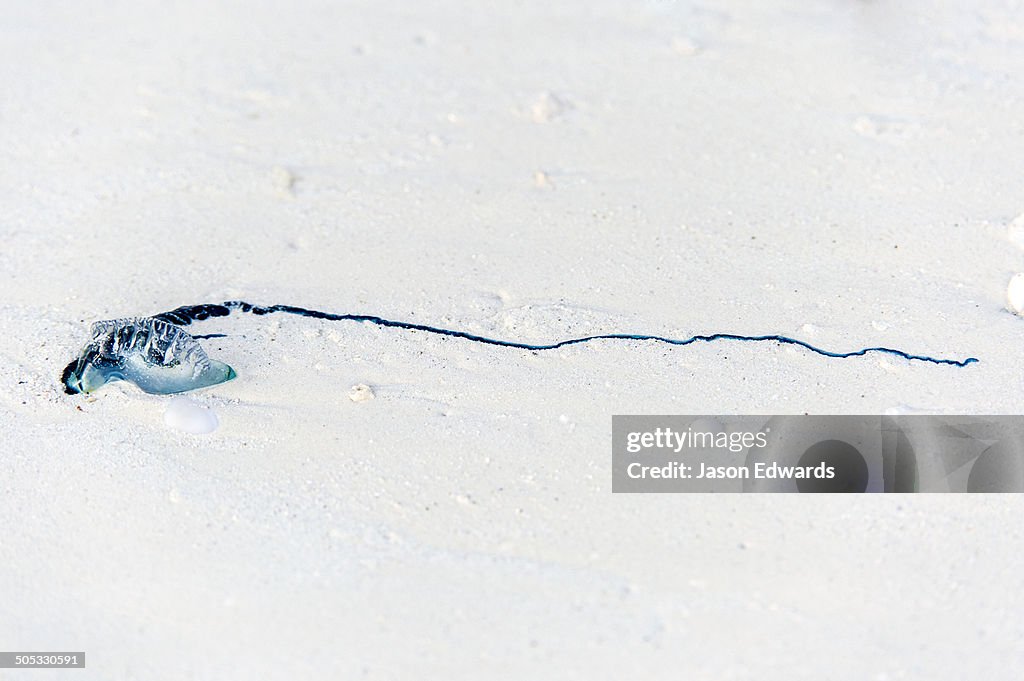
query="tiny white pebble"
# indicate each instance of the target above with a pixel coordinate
(548, 107)
(189, 416)
(1015, 294)
(361, 393)
(283, 180)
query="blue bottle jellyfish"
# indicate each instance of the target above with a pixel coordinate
(155, 355)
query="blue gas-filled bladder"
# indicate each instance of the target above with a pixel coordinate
(155, 355)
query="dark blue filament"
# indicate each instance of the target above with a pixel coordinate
(187, 314)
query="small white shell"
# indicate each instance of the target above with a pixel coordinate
(361, 393)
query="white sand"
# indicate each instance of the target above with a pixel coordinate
(843, 172)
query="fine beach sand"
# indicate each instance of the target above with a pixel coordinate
(846, 173)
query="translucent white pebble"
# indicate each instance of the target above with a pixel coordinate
(1015, 294)
(189, 416)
